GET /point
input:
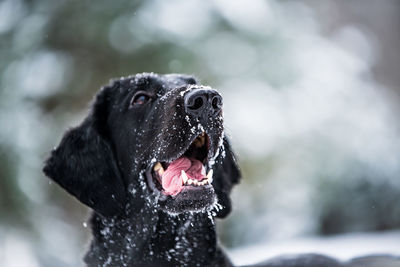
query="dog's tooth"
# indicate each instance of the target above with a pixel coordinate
(158, 168)
(210, 176)
(184, 176)
(195, 182)
(190, 181)
(199, 142)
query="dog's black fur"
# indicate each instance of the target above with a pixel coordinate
(104, 163)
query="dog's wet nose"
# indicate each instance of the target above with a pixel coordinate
(203, 103)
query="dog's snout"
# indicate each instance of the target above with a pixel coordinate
(203, 103)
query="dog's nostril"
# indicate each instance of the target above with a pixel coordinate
(216, 102)
(198, 103)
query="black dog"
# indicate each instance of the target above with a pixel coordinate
(152, 161)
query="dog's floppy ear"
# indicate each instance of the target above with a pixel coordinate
(84, 163)
(226, 175)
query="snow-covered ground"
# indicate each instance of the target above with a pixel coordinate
(342, 247)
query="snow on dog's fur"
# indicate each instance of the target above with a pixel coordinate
(125, 162)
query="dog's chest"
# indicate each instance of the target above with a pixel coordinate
(187, 240)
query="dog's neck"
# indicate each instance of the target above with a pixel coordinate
(154, 238)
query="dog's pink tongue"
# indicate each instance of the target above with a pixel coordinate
(172, 180)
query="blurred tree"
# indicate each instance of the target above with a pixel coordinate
(286, 84)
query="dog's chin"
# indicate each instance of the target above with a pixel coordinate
(190, 200)
(183, 184)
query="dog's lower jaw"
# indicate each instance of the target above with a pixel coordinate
(154, 238)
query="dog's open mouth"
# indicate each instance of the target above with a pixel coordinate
(187, 172)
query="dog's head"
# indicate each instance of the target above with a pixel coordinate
(149, 138)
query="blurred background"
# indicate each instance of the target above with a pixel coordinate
(311, 92)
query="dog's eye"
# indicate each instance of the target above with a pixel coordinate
(140, 98)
